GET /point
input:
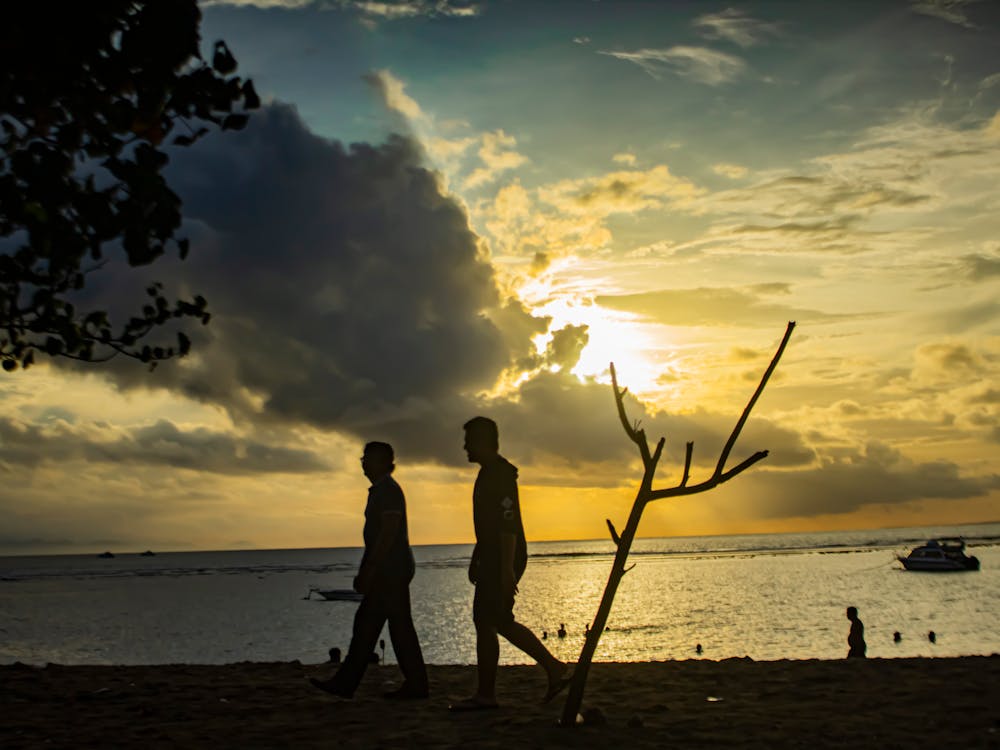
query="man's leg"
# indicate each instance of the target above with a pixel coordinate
(528, 642)
(405, 642)
(368, 622)
(484, 612)
(487, 659)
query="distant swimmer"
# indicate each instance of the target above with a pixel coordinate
(896, 637)
(697, 649)
(562, 630)
(545, 635)
(932, 637)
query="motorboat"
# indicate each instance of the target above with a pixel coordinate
(940, 555)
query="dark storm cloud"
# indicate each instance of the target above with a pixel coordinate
(161, 444)
(877, 475)
(347, 291)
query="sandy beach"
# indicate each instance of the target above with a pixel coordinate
(877, 703)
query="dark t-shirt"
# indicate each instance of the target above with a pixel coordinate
(385, 496)
(496, 510)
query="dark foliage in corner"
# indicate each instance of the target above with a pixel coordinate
(90, 96)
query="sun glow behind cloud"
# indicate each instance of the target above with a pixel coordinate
(612, 336)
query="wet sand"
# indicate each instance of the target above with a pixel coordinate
(735, 703)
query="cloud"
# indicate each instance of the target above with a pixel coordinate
(569, 216)
(624, 158)
(875, 475)
(393, 95)
(949, 359)
(286, 4)
(981, 267)
(952, 11)
(710, 307)
(992, 128)
(622, 192)
(391, 10)
(161, 444)
(566, 345)
(735, 26)
(732, 171)
(384, 10)
(498, 155)
(698, 63)
(972, 315)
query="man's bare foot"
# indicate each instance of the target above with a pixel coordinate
(558, 681)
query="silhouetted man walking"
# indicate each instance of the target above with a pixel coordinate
(384, 577)
(498, 562)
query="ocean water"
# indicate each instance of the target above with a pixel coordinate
(772, 596)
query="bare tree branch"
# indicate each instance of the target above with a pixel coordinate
(753, 399)
(688, 452)
(645, 495)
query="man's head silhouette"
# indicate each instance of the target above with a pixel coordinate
(482, 439)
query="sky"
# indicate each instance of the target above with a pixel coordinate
(446, 209)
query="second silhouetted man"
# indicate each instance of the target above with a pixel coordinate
(498, 562)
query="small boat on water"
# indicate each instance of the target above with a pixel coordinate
(940, 555)
(337, 595)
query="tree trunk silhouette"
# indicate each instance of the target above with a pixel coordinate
(644, 496)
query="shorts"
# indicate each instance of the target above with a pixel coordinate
(490, 606)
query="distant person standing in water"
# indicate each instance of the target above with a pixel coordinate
(856, 638)
(498, 562)
(384, 577)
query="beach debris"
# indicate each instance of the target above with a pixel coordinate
(646, 494)
(635, 722)
(713, 699)
(594, 717)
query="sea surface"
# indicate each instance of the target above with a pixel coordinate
(767, 596)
